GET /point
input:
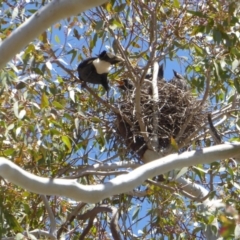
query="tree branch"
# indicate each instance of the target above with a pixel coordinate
(50, 214)
(120, 184)
(38, 22)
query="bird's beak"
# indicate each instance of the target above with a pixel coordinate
(117, 59)
(121, 83)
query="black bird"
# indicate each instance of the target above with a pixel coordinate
(160, 74)
(95, 70)
(179, 81)
(178, 75)
(126, 84)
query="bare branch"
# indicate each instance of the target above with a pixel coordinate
(50, 214)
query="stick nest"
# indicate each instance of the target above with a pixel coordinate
(179, 114)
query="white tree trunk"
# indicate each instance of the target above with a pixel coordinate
(120, 184)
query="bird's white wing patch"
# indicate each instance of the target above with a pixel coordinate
(101, 66)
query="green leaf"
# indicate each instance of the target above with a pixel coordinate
(181, 172)
(176, 3)
(76, 123)
(57, 123)
(57, 39)
(18, 131)
(216, 69)
(72, 94)
(15, 108)
(32, 237)
(22, 114)
(99, 25)
(19, 236)
(174, 144)
(198, 50)
(135, 213)
(236, 185)
(115, 23)
(198, 14)
(8, 152)
(231, 173)
(235, 64)
(55, 132)
(76, 34)
(198, 29)
(237, 232)
(30, 49)
(93, 41)
(44, 101)
(57, 105)
(199, 172)
(96, 120)
(108, 6)
(67, 142)
(10, 127)
(136, 45)
(15, 12)
(114, 45)
(20, 85)
(12, 221)
(120, 7)
(49, 65)
(60, 79)
(217, 36)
